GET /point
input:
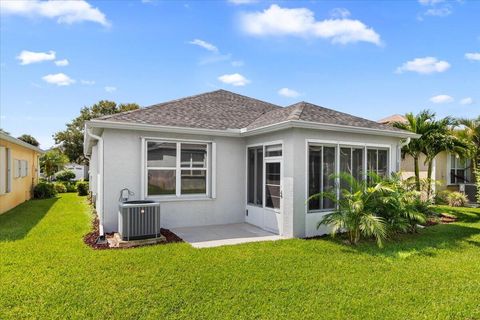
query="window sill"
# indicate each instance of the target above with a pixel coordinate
(177, 199)
(320, 211)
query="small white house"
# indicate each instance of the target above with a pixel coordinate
(80, 170)
(220, 158)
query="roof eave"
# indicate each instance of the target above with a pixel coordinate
(20, 143)
(329, 127)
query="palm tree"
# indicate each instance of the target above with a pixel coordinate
(52, 162)
(471, 135)
(419, 124)
(356, 209)
(441, 137)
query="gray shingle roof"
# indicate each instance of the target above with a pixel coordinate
(219, 110)
(309, 112)
(223, 110)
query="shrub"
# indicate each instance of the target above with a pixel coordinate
(377, 208)
(457, 199)
(65, 175)
(44, 190)
(60, 187)
(442, 197)
(82, 188)
(70, 185)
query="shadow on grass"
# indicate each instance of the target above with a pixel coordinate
(17, 223)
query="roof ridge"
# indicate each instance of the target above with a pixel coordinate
(297, 111)
(186, 98)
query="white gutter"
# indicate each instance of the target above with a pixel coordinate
(99, 178)
(245, 132)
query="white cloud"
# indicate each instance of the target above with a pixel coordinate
(278, 21)
(442, 98)
(63, 11)
(238, 63)
(87, 82)
(289, 93)
(110, 88)
(28, 57)
(340, 13)
(424, 65)
(238, 2)
(62, 63)
(60, 79)
(430, 2)
(204, 44)
(438, 12)
(234, 79)
(473, 56)
(467, 101)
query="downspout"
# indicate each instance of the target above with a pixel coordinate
(399, 152)
(101, 166)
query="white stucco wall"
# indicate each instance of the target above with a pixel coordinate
(123, 169)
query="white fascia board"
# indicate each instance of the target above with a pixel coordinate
(244, 132)
(328, 127)
(19, 142)
(154, 127)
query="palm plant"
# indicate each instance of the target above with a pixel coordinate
(471, 135)
(355, 211)
(441, 137)
(419, 124)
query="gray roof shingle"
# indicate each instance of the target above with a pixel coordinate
(312, 113)
(218, 110)
(223, 110)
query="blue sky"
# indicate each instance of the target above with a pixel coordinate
(367, 58)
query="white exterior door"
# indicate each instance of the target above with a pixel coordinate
(272, 195)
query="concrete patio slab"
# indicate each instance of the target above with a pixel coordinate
(222, 235)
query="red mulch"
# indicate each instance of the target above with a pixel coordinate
(90, 238)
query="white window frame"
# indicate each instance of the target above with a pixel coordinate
(453, 166)
(6, 168)
(263, 145)
(339, 144)
(210, 169)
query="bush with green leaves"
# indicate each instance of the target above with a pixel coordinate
(441, 197)
(82, 188)
(375, 209)
(457, 199)
(65, 175)
(44, 190)
(60, 187)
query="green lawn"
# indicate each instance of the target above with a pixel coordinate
(47, 272)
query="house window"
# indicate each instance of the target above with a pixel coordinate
(255, 176)
(460, 170)
(273, 151)
(321, 168)
(176, 168)
(351, 162)
(327, 161)
(5, 170)
(377, 161)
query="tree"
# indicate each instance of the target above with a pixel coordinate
(471, 136)
(52, 162)
(419, 124)
(441, 137)
(70, 140)
(29, 139)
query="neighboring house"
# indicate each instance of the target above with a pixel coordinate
(449, 170)
(19, 171)
(220, 158)
(80, 170)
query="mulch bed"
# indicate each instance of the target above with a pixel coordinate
(90, 239)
